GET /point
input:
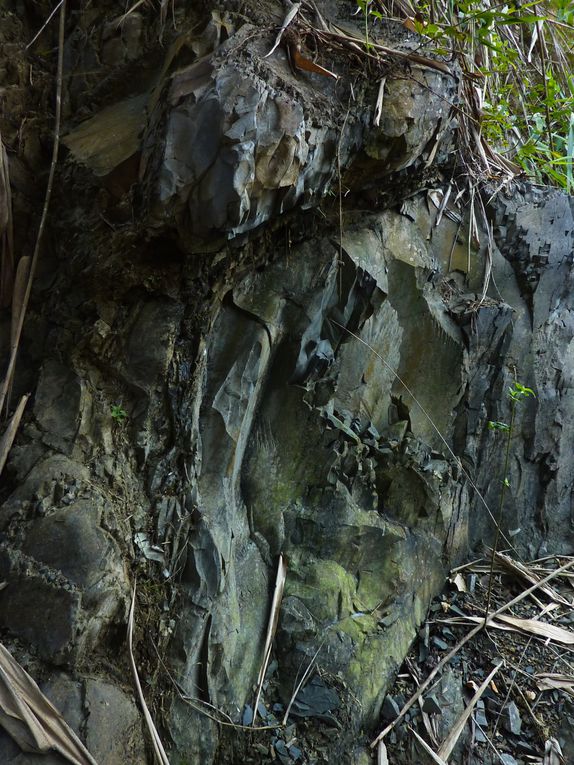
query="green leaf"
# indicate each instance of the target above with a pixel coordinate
(501, 426)
(118, 413)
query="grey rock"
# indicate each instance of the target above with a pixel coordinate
(261, 378)
(228, 147)
(480, 714)
(113, 725)
(39, 607)
(66, 694)
(511, 719)
(431, 705)
(58, 403)
(390, 709)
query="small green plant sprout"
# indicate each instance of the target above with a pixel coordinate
(517, 393)
(365, 7)
(118, 413)
(500, 426)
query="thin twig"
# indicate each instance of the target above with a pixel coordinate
(301, 683)
(44, 25)
(18, 332)
(155, 738)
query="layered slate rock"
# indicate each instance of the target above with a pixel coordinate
(304, 443)
(534, 235)
(235, 140)
(302, 372)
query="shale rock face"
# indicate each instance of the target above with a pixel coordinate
(534, 233)
(233, 141)
(248, 358)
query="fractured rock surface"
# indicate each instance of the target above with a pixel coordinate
(207, 401)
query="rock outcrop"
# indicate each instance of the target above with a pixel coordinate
(277, 343)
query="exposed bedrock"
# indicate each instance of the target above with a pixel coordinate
(231, 369)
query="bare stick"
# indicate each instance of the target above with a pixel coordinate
(155, 738)
(450, 741)
(18, 332)
(44, 25)
(301, 683)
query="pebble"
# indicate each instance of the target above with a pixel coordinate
(511, 719)
(431, 705)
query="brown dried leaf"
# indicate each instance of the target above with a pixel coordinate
(521, 570)
(280, 578)
(432, 754)
(307, 65)
(529, 626)
(547, 681)
(110, 136)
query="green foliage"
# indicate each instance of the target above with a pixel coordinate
(518, 63)
(500, 426)
(369, 12)
(518, 392)
(118, 413)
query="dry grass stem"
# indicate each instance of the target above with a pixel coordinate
(155, 737)
(447, 657)
(431, 753)
(449, 743)
(10, 433)
(280, 578)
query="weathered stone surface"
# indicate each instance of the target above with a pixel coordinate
(235, 139)
(534, 234)
(57, 403)
(78, 594)
(296, 434)
(264, 388)
(39, 606)
(113, 725)
(238, 145)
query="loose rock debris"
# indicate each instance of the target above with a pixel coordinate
(523, 714)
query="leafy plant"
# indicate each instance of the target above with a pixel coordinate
(118, 413)
(518, 65)
(369, 12)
